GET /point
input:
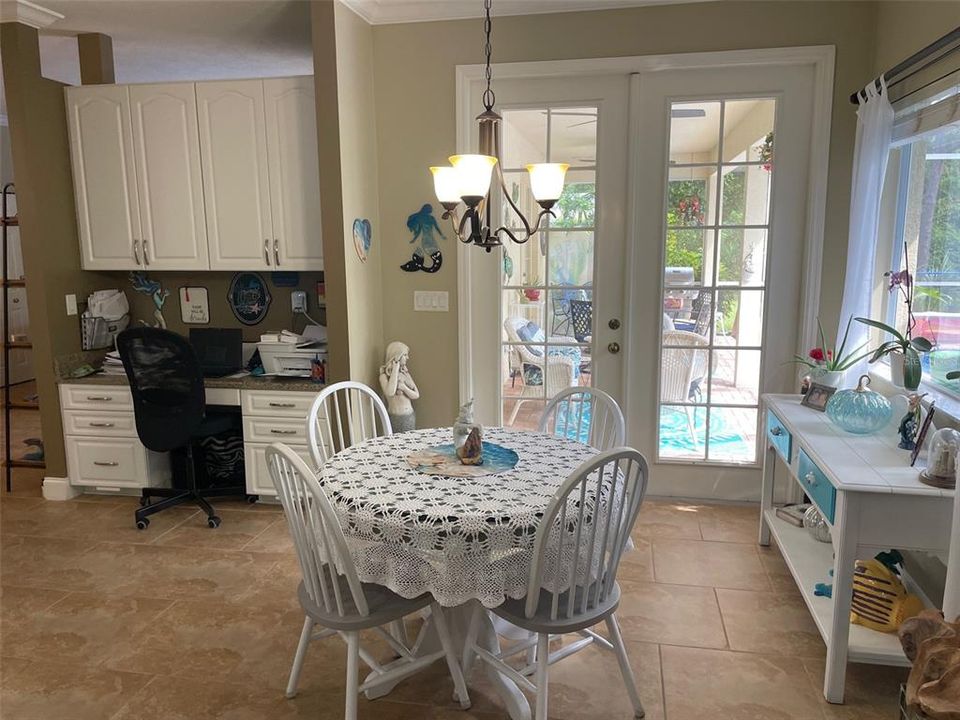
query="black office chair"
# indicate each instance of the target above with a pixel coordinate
(170, 409)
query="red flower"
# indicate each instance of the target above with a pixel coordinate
(817, 354)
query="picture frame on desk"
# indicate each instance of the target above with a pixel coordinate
(818, 396)
(922, 435)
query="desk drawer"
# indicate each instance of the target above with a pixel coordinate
(779, 436)
(113, 463)
(817, 486)
(277, 403)
(259, 481)
(95, 397)
(99, 424)
(270, 430)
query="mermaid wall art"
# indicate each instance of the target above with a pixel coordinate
(422, 224)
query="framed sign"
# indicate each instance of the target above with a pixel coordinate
(194, 306)
(249, 298)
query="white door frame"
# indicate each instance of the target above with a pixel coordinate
(821, 57)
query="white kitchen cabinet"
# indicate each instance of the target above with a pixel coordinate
(104, 177)
(294, 176)
(166, 148)
(236, 182)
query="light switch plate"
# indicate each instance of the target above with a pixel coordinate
(71, 304)
(431, 301)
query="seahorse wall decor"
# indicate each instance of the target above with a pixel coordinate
(152, 288)
(422, 224)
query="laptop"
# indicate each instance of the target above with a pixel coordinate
(219, 350)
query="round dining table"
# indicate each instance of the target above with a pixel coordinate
(461, 539)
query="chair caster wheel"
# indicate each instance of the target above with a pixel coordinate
(252, 499)
(213, 521)
(142, 524)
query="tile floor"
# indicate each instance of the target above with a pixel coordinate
(99, 621)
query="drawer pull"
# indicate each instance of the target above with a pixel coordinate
(810, 479)
(283, 432)
(100, 424)
(99, 398)
(282, 405)
(777, 431)
(111, 463)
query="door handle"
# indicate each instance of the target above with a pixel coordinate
(111, 463)
(266, 251)
(276, 252)
(146, 255)
(136, 252)
(100, 424)
(614, 348)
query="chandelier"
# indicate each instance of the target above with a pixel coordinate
(468, 178)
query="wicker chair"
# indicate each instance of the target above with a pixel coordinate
(558, 372)
(680, 368)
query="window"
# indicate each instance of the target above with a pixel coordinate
(926, 171)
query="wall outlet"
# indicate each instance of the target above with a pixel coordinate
(71, 304)
(436, 301)
(298, 301)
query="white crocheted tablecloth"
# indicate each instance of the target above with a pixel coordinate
(456, 538)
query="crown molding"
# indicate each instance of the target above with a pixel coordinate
(27, 13)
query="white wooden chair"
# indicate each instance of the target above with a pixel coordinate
(585, 412)
(333, 597)
(342, 415)
(680, 367)
(573, 579)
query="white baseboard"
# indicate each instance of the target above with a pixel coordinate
(55, 488)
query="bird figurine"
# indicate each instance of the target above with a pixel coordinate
(471, 452)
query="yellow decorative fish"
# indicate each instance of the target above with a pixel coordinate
(880, 601)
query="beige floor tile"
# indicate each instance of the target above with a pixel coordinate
(665, 519)
(709, 564)
(119, 524)
(18, 604)
(275, 538)
(872, 691)
(46, 690)
(48, 519)
(44, 562)
(730, 523)
(672, 614)
(277, 587)
(767, 622)
(9, 667)
(777, 571)
(82, 628)
(701, 684)
(238, 528)
(637, 564)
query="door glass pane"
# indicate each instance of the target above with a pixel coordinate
(524, 138)
(687, 316)
(746, 195)
(694, 132)
(521, 307)
(688, 255)
(690, 196)
(573, 136)
(733, 435)
(577, 206)
(683, 374)
(743, 257)
(739, 318)
(523, 264)
(746, 124)
(571, 257)
(683, 432)
(735, 377)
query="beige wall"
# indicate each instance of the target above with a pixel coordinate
(415, 99)
(6, 156)
(905, 27)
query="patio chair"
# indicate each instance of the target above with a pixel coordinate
(333, 598)
(585, 414)
(572, 584)
(681, 370)
(560, 322)
(558, 369)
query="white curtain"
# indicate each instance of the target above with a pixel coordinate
(874, 134)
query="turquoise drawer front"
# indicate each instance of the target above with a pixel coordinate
(779, 436)
(816, 485)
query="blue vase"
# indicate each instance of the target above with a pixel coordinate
(859, 411)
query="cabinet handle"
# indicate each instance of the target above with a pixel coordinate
(136, 252)
(777, 431)
(111, 463)
(276, 252)
(146, 255)
(266, 251)
(283, 432)
(100, 424)
(282, 405)
(99, 398)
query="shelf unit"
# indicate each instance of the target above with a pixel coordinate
(8, 221)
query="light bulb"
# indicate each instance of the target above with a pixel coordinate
(546, 182)
(446, 185)
(473, 176)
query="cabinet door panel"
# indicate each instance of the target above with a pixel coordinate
(233, 150)
(294, 172)
(104, 179)
(167, 152)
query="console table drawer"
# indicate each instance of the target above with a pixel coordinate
(779, 436)
(817, 486)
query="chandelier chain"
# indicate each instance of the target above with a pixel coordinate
(489, 99)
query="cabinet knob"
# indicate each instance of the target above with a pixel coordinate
(810, 478)
(777, 431)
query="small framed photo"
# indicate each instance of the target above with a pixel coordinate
(922, 435)
(817, 396)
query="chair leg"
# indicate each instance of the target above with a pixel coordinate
(543, 663)
(446, 641)
(399, 630)
(531, 652)
(353, 672)
(624, 663)
(473, 630)
(516, 410)
(299, 656)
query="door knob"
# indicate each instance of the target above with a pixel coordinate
(614, 347)
(614, 324)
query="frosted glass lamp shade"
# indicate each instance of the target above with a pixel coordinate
(473, 175)
(546, 181)
(446, 185)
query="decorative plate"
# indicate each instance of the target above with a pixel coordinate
(443, 460)
(249, 298)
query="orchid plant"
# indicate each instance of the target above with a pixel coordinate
(824, 358)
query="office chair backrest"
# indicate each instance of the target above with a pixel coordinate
(583, 533)
(167, 386)
(342, 415)
(317, 535)
(585, 414)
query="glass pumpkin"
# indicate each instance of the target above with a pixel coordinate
(859, 411)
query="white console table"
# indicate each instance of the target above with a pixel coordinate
(873, 500)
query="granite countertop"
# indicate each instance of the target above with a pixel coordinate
(64, 365)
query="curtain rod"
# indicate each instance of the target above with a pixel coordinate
(949, 43)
